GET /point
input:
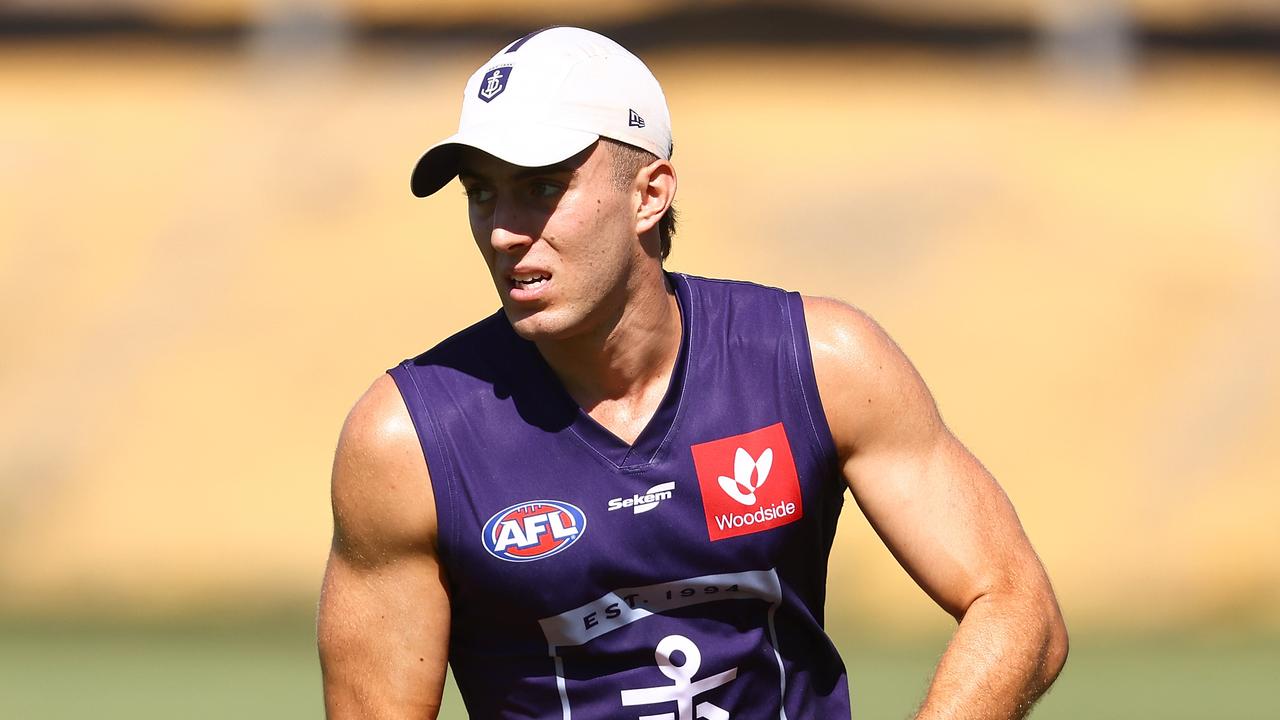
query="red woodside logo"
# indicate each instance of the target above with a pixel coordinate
(748, 482)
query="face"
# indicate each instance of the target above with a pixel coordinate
(560, 241)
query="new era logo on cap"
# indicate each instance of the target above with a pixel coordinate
(634, 120)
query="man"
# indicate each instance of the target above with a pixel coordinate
(615, 497)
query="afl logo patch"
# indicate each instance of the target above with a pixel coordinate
(533, 530)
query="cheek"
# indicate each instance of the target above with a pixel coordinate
(597, 232)
(481, 232)
(609, 243)
(478, 220)
(592, 235)
(608, 218)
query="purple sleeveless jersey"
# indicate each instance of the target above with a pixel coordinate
(679, 578)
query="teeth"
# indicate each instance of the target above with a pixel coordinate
(529, 280)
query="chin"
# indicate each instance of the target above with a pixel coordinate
(544, 324)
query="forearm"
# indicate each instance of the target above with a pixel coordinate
(1004, 655)
(360, 684)
(369, 674)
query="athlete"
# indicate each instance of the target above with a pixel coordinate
(615, 497)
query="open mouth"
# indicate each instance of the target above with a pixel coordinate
(530, 281)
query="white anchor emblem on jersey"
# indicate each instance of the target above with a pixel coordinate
(685, 687)
(739, 487)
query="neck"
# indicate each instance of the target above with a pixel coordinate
(622, 366)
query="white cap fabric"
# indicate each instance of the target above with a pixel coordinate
(548, 96)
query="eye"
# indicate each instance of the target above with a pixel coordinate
(477, 194)
(545, 190)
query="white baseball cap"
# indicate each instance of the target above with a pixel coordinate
(546, 97)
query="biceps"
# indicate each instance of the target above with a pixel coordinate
(944, 518)
(383, 638)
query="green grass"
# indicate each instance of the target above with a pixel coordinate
(1106, 678)
(183, 670)
(266, 668)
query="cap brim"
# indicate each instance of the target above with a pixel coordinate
(529, 145)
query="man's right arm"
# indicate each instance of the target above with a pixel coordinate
(383, 627)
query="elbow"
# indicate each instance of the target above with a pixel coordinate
(1056, 643)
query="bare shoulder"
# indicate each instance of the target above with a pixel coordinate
(382, 501)
(840, 332)
(867, 384)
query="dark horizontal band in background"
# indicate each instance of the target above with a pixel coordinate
(756, 24)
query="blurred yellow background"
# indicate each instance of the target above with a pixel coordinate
(208, 250)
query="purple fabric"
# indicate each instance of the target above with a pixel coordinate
(637, 610)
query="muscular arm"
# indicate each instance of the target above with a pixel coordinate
(383, 625)
(943, 517)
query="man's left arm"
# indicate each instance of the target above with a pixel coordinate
(943, 517)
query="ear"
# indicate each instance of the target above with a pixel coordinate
(656, 186)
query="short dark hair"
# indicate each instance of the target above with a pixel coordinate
(627, 161)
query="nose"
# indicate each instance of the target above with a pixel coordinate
(509, 233)
(508, 241)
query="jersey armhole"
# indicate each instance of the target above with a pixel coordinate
(440, 470)
(807, 378)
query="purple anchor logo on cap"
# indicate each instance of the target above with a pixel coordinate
(495, 81)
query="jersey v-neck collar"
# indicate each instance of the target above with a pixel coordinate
(637, 456)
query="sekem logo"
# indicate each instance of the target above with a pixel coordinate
(646, 502)
(533, 530)
(748, 482)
